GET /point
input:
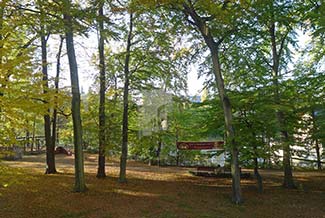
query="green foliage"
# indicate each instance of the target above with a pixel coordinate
(113, 121)
(163, 46)
(19, 92)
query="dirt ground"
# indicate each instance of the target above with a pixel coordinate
(151, 192)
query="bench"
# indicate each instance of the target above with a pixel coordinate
(219, 172)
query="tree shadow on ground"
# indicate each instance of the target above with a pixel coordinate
(162, 195)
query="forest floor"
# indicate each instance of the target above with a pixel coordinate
(151, 192)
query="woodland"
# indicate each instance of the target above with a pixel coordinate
(263, 95)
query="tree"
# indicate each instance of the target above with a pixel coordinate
(102, 78)
(56, 86)
(276, 21)
(202, 24)
(309, 80)
(50, 156)
(124, 153)
(315, 22)
(18, 81)
(80, 185)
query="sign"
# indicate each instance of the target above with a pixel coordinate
(199, 145)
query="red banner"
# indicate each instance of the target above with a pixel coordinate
(199, 145)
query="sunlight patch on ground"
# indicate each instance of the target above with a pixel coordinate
(135, 193)
(151, 191)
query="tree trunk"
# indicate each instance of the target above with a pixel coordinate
(288, 178)
(50, 156)
(269, 157)
(159, 144)
(318, 155)
(124, 154)
(26, 144)
(56, 84)
(256, 173)
(38, 146)
(101, 136)
(33, 135)
(230, 132)
(315, 129)
(159, 151)
(276, 55)
(177, 151)
(80, 185)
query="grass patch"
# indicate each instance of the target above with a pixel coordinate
(168, 214)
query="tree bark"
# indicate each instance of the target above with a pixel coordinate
(319, 162)
(276, 55)
(256, 172)
(101, 136)
(56, 84)
(27, 144)
(124, 154)
(230, 132)
(255, 157)
(159, 151)
(317, 148)
(288, 178)
(50, 156)
(80, 185)
(33, 135)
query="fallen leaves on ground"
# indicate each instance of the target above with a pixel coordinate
(151, 192)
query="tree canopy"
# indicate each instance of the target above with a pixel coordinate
(264, 91)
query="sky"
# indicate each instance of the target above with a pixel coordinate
(87, 47)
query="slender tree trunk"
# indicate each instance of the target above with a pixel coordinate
(39, 146)
(26, 144)
(288, 178)
(50, 156)
(177, 151)
(270, 152)
(80, 185)
(230, 132)
(124, 154)
(256, 172)
(317, 148)
(159, 151)
(101, 136)
(276, 55)
(57, 132)
(56, 84)
(159, 144)
(318, 155)
(178, 133)
(213, 46)
(33, 135)
(258, 176)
